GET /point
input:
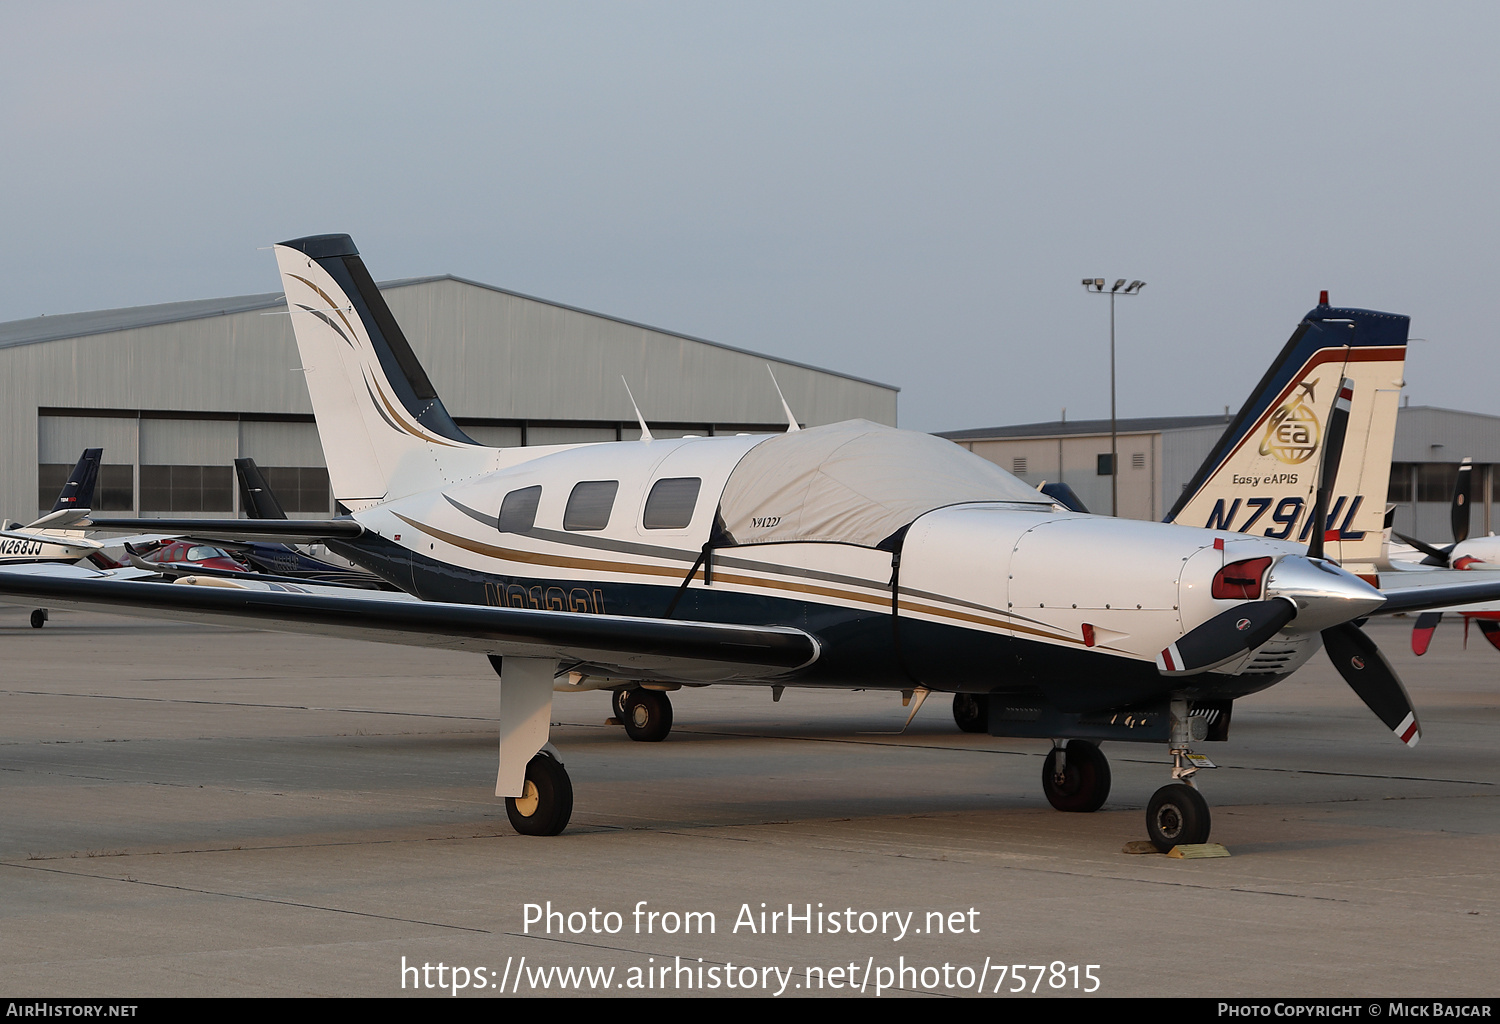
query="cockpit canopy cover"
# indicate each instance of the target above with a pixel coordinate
(855, 482)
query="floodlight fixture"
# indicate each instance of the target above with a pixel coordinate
(1096, 287)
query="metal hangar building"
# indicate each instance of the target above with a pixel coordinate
(175, 392)
(1159, 455)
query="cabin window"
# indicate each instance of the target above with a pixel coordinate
(518, 510)
(670, 504)
(590, 504)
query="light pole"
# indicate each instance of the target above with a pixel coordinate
(1095, 286)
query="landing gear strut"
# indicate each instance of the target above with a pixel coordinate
(1076, 777)
(545, 806)
(972, 711)
(1177, 814)
(646, 714)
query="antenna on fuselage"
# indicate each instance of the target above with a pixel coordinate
(791, 421)
(645, 430)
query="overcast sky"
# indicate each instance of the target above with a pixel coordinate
(910, 193)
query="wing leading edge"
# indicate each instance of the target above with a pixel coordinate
(628, 646)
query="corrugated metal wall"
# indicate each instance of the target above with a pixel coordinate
(493, 356)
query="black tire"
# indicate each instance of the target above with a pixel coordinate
(1084, 785)
(972, 711)
(617, 702)
(547, 804)
(38, 618)
(648, 715)
(1177, 816)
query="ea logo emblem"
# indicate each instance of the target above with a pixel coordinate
(1293, 431)
(1242, 625)
(1357, 661)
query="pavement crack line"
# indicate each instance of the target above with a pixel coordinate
(253, 899)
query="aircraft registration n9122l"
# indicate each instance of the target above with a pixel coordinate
(850, 555)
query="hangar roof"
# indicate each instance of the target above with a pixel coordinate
(1137, 425)
(36, 330)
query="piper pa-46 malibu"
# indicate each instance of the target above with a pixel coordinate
(851, 555)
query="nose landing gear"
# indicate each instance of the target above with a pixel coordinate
(1177, 814)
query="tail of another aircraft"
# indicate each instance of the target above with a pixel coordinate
(1262, 475)
(385, 431)
(256, 496)
(78, 492)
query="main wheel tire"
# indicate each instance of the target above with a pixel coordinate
(38, 618)
(1083, 785)
(617, 701)
(648, 715)
(972, 711)
(547, 804)
(1177, 816)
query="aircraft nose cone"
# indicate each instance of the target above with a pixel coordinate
(1325, 595)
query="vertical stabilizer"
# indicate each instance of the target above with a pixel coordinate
(1261, 477)
(384, 429)
(78, 492)
(256, 496)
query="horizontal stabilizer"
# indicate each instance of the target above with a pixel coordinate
(308, 531)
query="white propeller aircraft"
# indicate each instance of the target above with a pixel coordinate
(850, 556)
(49, 540)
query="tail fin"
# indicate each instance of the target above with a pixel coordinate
(1261, 476)
(382, 424)
(78, 492)
(256, 496)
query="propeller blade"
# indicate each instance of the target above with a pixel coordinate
(1333, 453)
(1421, 633)
(1367, 672)
(1491, 630)
(1435, 555)
(1225, 637)
(1460, 511)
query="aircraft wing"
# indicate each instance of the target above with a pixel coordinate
(308, 531)
(1422, 595)
(612, 644)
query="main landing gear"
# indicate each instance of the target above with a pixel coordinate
(972, 711)
(545, 806)
(1076, 777)
(39, 618)
(646, 714)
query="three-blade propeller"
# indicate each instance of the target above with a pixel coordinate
(1233, 634)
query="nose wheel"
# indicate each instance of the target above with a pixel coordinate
(1076, 777)
(1177, 816)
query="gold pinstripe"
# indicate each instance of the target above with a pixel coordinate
(638, 569)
